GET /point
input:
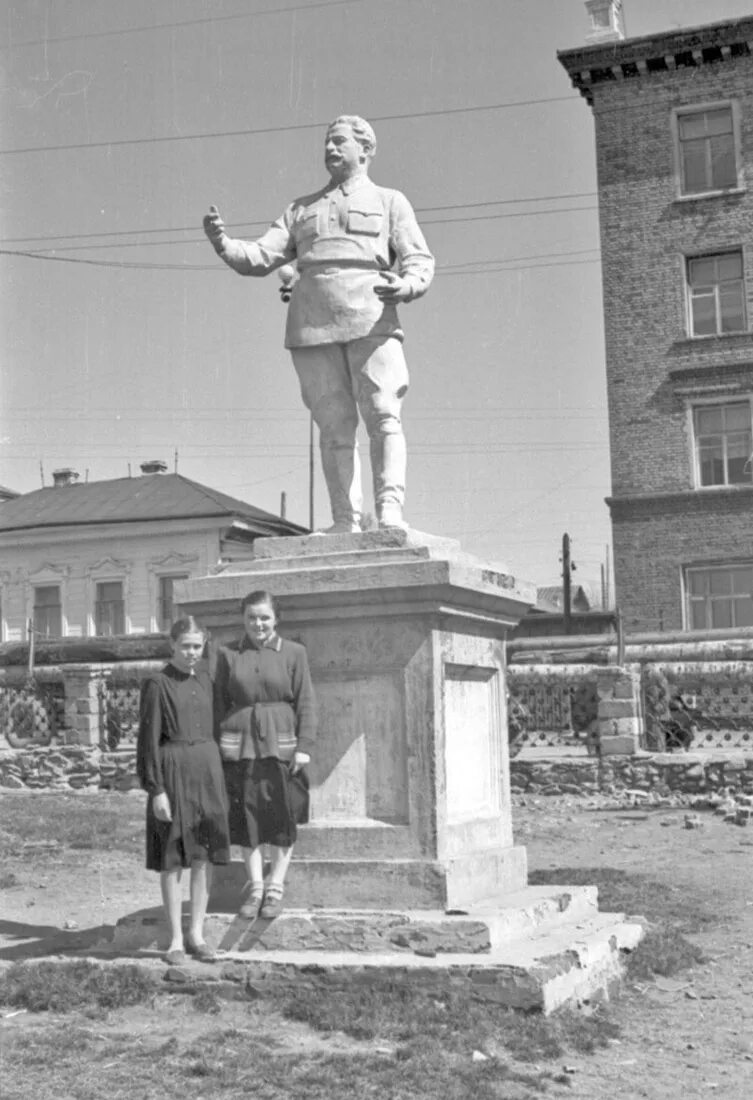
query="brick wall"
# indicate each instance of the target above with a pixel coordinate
(655, 538)
(655, 372)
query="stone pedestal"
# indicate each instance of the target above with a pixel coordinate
(405, 634)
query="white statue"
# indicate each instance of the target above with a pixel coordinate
(343, 330)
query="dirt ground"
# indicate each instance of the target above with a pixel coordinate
(682, 1037)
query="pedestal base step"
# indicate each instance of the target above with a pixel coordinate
(574, 964)
(479, 930)
(540, 948)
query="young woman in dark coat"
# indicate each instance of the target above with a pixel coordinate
(264, 698)
(180, 768)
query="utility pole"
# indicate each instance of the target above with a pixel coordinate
(566, 570)
(311, 473)
(283, 504)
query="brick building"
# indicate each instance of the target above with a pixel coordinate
(673, 116)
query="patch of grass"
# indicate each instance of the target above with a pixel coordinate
(210, 1067)
(8, 880)
(388, 1010)
(206, 1000)
(662, 951)
(109, 821)
(78, 985)
(625, 892)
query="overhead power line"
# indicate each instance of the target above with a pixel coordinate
(253, 131)
(146, 266)
(247, 223)
(312, 5)
(202, 240)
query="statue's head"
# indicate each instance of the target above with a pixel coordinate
(349, 145)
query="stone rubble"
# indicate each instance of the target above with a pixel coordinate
(67, 767)
(640, 777)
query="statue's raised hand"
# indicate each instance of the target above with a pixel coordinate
(214, 227)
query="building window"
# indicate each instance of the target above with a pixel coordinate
(165, 602)
(723, 443)
(109, 608)
(716, 294)
(707, 146)
(719, 596)
(48, 611)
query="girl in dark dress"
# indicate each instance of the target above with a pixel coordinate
(179, 766)
(263, 694)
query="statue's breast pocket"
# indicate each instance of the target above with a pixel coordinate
(306, 226)
(365, 223)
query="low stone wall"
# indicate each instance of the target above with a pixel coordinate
(664, 774)
(68, 767)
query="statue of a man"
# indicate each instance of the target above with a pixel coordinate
(342, 329)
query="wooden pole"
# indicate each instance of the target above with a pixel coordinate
(566, 592)
(30, 632)
(311, 472)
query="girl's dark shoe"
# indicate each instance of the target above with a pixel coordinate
(253, 903)
(201, 951)
(272, 906)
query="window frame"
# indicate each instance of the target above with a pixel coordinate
(704, 402)
(107, 571)
(110, 603)
(161, 578)
(47, 575)
(709, 567)
(47, 585)
(696, 109)
(690, 258)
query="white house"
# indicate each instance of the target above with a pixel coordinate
(100, 558)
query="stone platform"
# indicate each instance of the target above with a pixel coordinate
(538, 949)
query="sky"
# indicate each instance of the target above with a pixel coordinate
(123, 338)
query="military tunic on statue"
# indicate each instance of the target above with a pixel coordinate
(346, 343)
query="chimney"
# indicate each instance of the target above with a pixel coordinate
(607, 21)
(155, 466)
(66, 476)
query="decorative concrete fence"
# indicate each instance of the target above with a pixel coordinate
(579, 691)
(68, 727)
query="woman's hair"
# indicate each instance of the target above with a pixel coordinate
(186, 625)
(259, 596)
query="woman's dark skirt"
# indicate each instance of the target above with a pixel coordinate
(195, 787)
(267, 803)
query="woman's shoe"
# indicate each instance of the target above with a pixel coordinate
(201, 951)
(253, 903)
(175, 957)
(272, 906)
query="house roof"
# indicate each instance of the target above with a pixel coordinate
(157, 497)
(549, 598)
(7, 494)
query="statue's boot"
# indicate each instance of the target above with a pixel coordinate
(342, 474)
(388, 466)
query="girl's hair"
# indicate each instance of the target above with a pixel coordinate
(259, 596)
(186, 625)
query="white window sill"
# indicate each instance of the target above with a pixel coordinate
(697, 196)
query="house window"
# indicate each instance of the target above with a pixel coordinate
(48, 611)
(723, 443)
(719, 596)
(707, 150)
(109, 608)
(716, 294)
(165, 602)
